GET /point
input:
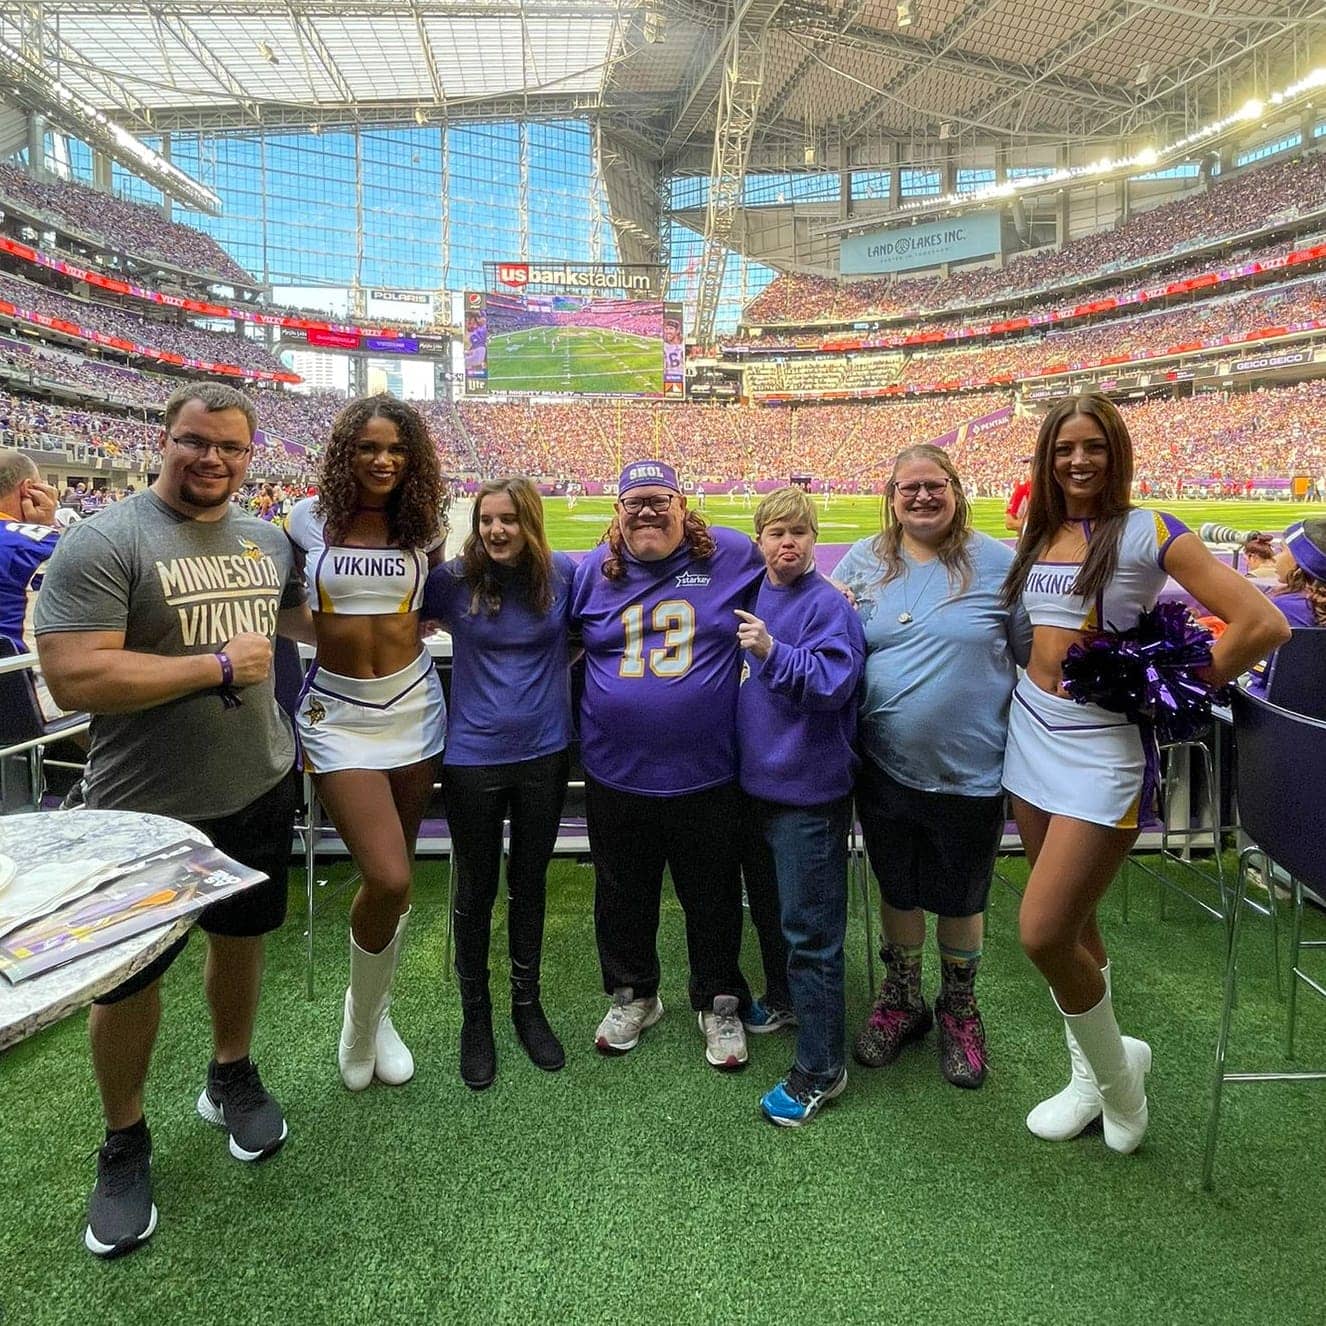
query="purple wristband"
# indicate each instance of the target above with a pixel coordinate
(227, 668)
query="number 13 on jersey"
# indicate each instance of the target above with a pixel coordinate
(675, 618)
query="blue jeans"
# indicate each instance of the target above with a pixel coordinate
(809, 846)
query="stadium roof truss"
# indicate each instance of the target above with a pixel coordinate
(842, 74)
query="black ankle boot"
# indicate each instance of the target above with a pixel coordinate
(538, 1038)
(478, 1054)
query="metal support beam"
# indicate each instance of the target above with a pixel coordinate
(698, 92)
(629, 116)
(944, 43)
(430, 61)
(738, 107)
(1045, 77)
(310, 39)
(204, 55)
(1168, 91)
(775, 109)
(58, 54)
(631, 183)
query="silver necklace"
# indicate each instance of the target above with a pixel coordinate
(905, 617)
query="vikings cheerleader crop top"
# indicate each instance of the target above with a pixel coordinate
(1139, 577)
(360, 582)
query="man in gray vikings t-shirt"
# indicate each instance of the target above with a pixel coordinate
(157, 618)
(176, 586)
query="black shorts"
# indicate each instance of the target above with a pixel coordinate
(258, 836)
(931, 850)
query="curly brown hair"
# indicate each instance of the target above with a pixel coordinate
(417, 507)
(695, 532)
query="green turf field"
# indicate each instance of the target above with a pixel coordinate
(848, 518)
(646, 1191)
(575, 359)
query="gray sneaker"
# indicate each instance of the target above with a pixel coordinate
(724, 1036)
(627, 1018)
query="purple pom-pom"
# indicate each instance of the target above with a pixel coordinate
(1147, 673)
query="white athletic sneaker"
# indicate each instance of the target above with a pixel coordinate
(724, 1036)
(626, 1019)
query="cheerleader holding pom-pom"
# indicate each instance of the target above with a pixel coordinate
(1088, 570)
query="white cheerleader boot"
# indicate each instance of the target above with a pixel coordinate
(365, 1002)
(1063, 1116)
(1119, 1070)
(392, 1061)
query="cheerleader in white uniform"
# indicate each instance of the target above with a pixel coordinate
(1088, 561)
(371, 720)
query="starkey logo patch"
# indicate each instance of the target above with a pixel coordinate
(689, 579)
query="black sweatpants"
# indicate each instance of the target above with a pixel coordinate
(696, 835)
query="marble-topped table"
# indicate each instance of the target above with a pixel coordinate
(105, 835)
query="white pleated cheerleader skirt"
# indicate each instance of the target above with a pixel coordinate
(1073, 759)
(370, 722)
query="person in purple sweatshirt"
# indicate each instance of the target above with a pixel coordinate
(505, 601)
(796, 731)
(654, 603)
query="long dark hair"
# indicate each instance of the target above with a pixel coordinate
(695, 532)
(535, 565)
(1299, 581)
(1047, 509)
(417, 507)
(953, 549)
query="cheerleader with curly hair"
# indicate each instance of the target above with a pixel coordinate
(371, 720)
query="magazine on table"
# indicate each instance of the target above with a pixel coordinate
(152, 890)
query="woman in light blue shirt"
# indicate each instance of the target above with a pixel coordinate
(941, 656)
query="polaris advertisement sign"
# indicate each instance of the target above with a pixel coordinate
(553, 277)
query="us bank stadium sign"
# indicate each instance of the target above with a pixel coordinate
(586, 278)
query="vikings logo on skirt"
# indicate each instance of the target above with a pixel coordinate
(371, 722)
(251, 550)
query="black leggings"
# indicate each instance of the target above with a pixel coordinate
(479, 799)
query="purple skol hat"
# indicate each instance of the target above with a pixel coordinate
(651, 473)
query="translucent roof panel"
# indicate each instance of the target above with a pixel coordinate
(192, 53)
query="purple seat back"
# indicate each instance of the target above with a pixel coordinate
(1281, 792)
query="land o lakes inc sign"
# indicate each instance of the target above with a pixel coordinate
(905, 248)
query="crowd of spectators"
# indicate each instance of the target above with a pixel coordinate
(181, 338)
(41, 363)
(1215, 444)
(962, 328)
(1255, 199)
(1209, 444)
(1148, 335)
(124, 226)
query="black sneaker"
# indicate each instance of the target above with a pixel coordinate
(236, 1100)
(120, 1212)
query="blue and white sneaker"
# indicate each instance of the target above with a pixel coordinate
(761, 1018)
(797, 1099)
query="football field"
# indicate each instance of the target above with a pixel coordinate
(851, 517)
(575, 359)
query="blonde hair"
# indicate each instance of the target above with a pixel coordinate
(791, 504)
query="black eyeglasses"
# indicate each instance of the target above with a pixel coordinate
(633, 506)
(911, 491)
(200, 446)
